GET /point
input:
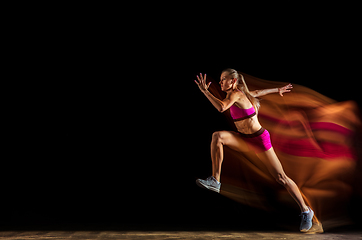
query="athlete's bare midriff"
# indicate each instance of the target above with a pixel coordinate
(249, 125)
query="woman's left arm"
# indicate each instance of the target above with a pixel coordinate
(263, 92)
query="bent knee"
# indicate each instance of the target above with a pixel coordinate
(282, 179)
(218, 136)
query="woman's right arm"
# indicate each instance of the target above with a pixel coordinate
(217, 103)
(220, 105)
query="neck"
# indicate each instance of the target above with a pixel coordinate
(232, 88)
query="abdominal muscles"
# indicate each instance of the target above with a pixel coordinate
(248, 126)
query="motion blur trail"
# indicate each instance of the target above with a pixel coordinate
(317, 141)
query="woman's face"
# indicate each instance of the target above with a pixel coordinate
(226, 82)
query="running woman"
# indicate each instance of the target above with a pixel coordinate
(244, 106)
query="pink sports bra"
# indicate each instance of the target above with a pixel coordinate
(239, 114)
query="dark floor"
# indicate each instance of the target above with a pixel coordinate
(172, 235)
(164, 231)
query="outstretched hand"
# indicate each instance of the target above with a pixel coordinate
(286, 88)
(201, 82)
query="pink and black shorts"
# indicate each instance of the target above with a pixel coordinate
(258, 141)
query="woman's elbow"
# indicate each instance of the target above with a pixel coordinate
(222, 109)
(255, 93)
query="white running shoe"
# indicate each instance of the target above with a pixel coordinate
(306, 222)
(210, 183)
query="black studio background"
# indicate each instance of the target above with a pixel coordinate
(107, 126)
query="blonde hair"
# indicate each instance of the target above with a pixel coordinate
(241, 85)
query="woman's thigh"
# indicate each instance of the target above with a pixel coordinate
(232, 140)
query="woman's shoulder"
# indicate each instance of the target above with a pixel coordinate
(237, 92)
(235, 95)
(240, 95)
(242, 101)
